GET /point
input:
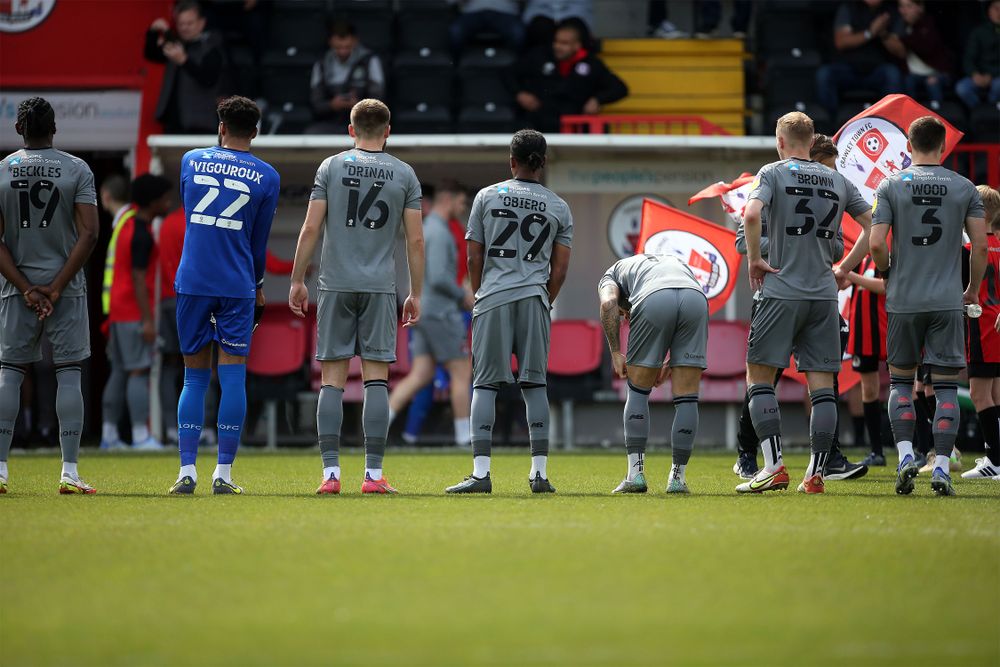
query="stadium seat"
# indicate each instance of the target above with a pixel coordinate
(984, 124)
(373, 19)
(244, 71)
(481, 57)
(820, 117)
(275, 366)
(846, 112)
(780, 32)
(296, 33)
(286, 90)
(791, 79)
(422, 99)
(576, 353)
(487, 105)
(422, 29)
(727, 349)
(953, 112)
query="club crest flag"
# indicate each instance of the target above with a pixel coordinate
(732, 195)
(707, 248)
(872, 145)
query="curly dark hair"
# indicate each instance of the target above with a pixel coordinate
(240, 115)
(528, 148)
(822, 147)
(36, 119)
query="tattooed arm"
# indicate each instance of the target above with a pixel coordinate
(611, 321)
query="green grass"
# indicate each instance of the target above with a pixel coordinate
(282, 577)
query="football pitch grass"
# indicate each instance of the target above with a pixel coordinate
(280, 576)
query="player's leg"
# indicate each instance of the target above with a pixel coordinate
(769, 345)
(944, 354)
(822, 424)
(137, 359)
(68, 329)
(837, 466)
(492, 345)
(421, 374)
(746, 438)
(872, 408)
(687, 360)
(531, 346)
(113, 397)
(194, 329)
(171, 364)
(19, 347)
(233, 331)
(981, 385)
(377, 347)
(460, 374)
(336, 343)
(904, 340)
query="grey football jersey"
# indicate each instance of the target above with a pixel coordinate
(805, 203)
(741, 238)
(639, 276)
(365, 194)
(442, 294)
(518, 221)
(38, 193)
(926, 207)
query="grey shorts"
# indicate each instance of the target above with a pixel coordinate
(939, 335)
(67, 328)
(443, 338)
(127, 349)
(168, 341)
(669, 319)
(810, 328)
(520, 328)
(356, 324)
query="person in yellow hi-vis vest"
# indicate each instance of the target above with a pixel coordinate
(115, 200)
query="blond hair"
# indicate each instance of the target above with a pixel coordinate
(370, 117)
(991, 200)
(797, 128)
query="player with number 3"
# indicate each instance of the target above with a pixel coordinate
(230, 197)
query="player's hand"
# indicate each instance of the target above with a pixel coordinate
(160, 25)
(970, 296)
(592, 106)
(757, 270)
(411, 311)
(148, 331)
(258, 308)
(618, 363)
(298, 299)
(468, 300)
(175, 53)
(663, 375)
(38, 302)
(528, 101)
(843, 278)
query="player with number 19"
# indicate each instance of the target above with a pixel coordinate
(48, 224)
(230, 198)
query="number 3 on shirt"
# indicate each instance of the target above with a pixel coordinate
(225, 218)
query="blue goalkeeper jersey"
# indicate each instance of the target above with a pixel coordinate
(229, 200)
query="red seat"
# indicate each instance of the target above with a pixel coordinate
(727, 349)
(279, 343)
(576, 347)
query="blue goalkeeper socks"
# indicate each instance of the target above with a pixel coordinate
(191, 412)
(232, 409)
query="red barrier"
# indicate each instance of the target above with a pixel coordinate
(972, 152)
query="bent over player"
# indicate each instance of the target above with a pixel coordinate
(519, 240)
(48, 221)
(667, 311)
(229, 198)
(926, 206)
(798, 305)
(358, 201)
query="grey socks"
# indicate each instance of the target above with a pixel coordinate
(764, 411)
(636, 419)
(902, 415)
(69, 411)
(375, 420)
(114, 396)
(536, 409)
(329, 419)
(946, 417)
(685, 427)
(137, 390)
(823, 421)
(10, 402)
(483, 415)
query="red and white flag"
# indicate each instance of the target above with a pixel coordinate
(732, 195)
(707, 248)
(872, 145)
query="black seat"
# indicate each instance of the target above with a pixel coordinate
(373, 20)
(286, 90)
(790, 79)
(780, 32)
(486, 57)
(487, 118)
(984, 124)
(296, 33)
(484, 87)
(422, 27)
(821, 119)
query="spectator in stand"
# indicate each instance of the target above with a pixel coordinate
(196, 63)
(708, 15)
(349, 72)
(982, 62)
(130, 345)
(543, 17)
(864, 52)
(487, 16)
(170, 244)
(929, 61)
(564, 79)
